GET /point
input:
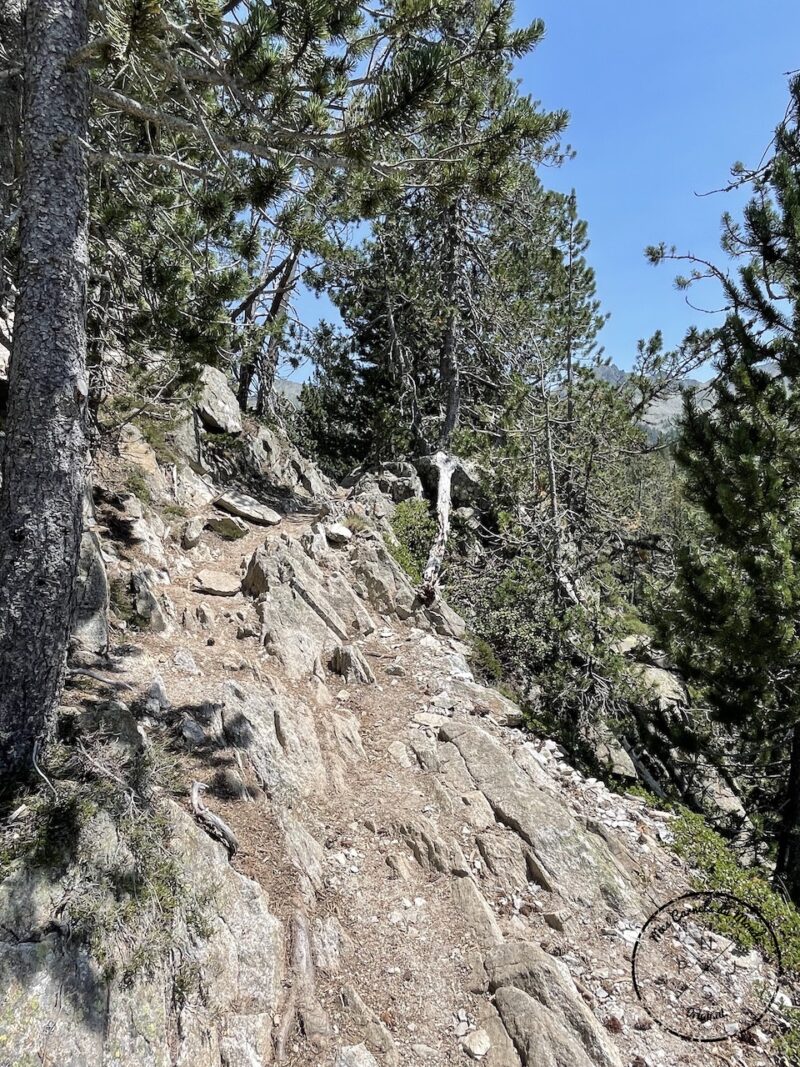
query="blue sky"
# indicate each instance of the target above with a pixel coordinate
(663, 98)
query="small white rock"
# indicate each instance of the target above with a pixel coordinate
(338, 534)
(477, 1044)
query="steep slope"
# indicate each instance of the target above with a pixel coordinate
(417, 879)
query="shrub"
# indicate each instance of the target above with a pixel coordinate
(122, 602)
(174, 511)
(717, 869)
(356, 523)
(136, 483)
(415, 528)
(484, 661)
(155, 432)
(128, 904)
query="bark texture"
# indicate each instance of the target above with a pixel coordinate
(10, 99)
(45, 454)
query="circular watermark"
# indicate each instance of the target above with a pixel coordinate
(706, 966)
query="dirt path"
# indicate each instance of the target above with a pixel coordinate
(395, 856)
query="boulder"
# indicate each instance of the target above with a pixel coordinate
(246, 507)
(127, 520)
(432, 851)
(567, 858)
(479, 917)
(397, 481)
(277, 736)
(192, 489)
(154, 607)
(537, 1033)
(355, 1056)
(485, 701)
(385, 584)
(280, 462)
(90, 622)
(445, 620)
(134, 449)
(217, 405)
(315, 542)
(667, 690)
(228, 527)
(304, 614)
(477, 1044)
(216, 583)
(338, 534)
(546, 983)
(349, 662)
(610, 753)
(55, 997)
(192, 532)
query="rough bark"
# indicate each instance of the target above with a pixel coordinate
(10, 110)
(45, 455)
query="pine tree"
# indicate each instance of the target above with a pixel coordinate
(45, 451)
(247, 105)
(735, 618)
(416, 297)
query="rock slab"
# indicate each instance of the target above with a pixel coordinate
(247, 507)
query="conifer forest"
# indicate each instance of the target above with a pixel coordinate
(396, 670)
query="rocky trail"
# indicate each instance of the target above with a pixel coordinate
(418, 880)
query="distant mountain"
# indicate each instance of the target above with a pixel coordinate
(662, 415)
(288, 389)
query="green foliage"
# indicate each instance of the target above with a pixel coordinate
(732, 618)
(136, 483)
(414, 527)
(155, 432)
(484, 661)
(107, 826)
(122, 601)
(787, 1045)
(174, 511)
(716, 869)
(356, 524)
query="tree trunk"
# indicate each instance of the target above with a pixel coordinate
(787, 866)
(10, 91)
(247, 308)
(269, 362)
(45, 454)
(445, 465)
(449, 366)
(450, 383)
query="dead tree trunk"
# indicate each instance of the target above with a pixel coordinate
(450, 384)
(45, 454)
(445, 465)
